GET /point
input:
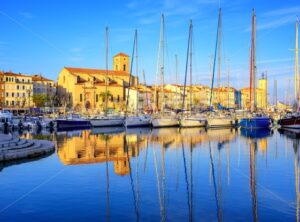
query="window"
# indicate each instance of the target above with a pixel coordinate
(12, 94)
(116, 67)
(18, 94)
(124, 67)
(12, 103)
(7, 94)
(6, 79)
(118, 98)
(97, 98)
(23, 87)
(112, 98)
(80, 97)
(23, 94)
(22, 80)
(7, 103)
(18, 87)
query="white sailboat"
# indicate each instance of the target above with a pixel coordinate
(218, 119)
(190, 119)
(163, 119)
(136, 120)
(106, 120)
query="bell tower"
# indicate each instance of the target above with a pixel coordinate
(121, 62)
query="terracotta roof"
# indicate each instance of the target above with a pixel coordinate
(121, 54)
(40, 78)
(14, 74)
(96, 71)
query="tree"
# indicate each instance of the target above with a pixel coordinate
(39, 100)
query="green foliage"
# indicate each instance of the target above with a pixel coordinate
(39, 100)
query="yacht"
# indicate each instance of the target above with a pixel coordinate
(104, 121)
(193, 121)
(220, 120)
(72, 121)
(137, 121)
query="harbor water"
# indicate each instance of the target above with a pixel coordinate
(171, 174)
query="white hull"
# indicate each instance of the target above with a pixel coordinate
(107, 121)
(220, 122)
(290, 126)
(192, 122)
(164, 122)
(135, 121)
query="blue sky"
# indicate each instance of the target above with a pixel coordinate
(43, 36)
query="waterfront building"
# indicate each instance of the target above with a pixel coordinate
(84, 88)
(44, 86)
(227, 97)
(260, 98)
(16, 91)
(263, 85)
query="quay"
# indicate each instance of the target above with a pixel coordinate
(13, 148)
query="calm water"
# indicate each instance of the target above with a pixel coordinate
(157, 175)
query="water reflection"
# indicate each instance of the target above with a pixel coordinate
(294, 135)
(187, 174)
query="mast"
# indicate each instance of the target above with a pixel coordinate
(186, 66)
(137, 71)
(228, 92)
(253, 101)
(219, 55)
(296, 75)
(130, 74)
(162, 67)
(191, 71)
(176, 67)
(214, 65)
(146, 91)
(106, 73)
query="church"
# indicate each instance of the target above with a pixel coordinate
(84, 89)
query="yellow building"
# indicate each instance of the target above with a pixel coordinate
(260, 98)
(263, 85)
(227, 97)
(84, 89)
(42, 85)
(16, 90)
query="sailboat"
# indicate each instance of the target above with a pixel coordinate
(136, 120)
(292, 120)
(102, 121)
(163, 119)
(218, 119)
(255, 121)
(190, 120)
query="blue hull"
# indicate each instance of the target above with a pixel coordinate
(255, 123)
(255, 133)
(72, 124)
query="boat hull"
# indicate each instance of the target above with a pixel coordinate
(192, 122)
(220, 122)
(103, 122)
(137, 121)
(255, 123)
(293, 122)
(164, 122)
(72, 124)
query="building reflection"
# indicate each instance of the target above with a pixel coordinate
(86, 147)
